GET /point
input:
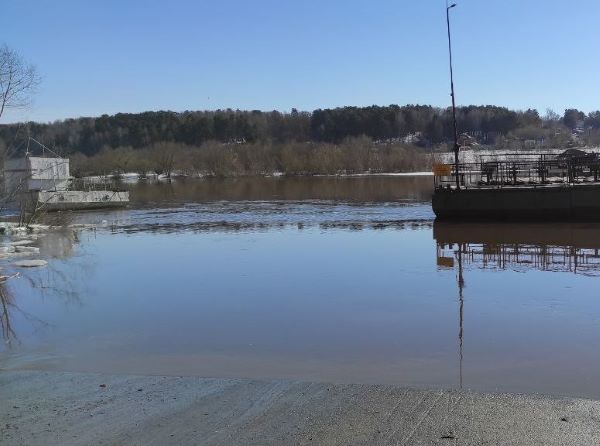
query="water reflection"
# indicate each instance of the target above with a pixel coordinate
(566, 247)
(7, 307)
(461, 317)
(48, 282)
(556, 247)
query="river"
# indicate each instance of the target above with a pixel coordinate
(342, 279)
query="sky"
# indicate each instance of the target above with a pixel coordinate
(104, 57)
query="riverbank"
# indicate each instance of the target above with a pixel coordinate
(74, 408)
(133, 177)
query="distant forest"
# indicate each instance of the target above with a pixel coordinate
(328, 141)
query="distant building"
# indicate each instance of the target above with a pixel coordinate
(466, 140)
(413, 138)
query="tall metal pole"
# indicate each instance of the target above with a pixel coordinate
(456, 146)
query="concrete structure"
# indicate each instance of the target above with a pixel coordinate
(35, 174)
(80, 200)
(41, 183)
(40, 408)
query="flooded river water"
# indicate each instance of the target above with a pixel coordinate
(328, 279)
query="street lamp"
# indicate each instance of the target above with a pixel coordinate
(456, 146)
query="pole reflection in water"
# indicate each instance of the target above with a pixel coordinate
(446, 260)
(461, 302)
(562, 247)
(6, 302)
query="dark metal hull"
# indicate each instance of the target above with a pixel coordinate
(554, 202)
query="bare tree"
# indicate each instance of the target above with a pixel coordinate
(18, 80)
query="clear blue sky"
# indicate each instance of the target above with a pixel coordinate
(108, 56)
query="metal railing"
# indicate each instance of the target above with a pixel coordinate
(97, 183)
(510, 170)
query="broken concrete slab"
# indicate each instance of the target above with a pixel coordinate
(22, 242)
(30, 263)
(27, 249)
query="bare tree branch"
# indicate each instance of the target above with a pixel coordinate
(18, 80)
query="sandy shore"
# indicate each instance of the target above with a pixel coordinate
(39, 408)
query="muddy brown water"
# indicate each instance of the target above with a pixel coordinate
(327, 279)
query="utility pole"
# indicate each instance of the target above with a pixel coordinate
(456, 146)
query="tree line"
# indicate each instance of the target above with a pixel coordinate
(321, 141)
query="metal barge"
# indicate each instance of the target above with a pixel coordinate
(515, 186)
(520, 187)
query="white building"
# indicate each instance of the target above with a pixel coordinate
(36, 174)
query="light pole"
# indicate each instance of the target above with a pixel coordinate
(456, 146)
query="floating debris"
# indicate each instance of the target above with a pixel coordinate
(17, 229)
(5, 278)
(22, 242)
(27, 249)
(30, 263)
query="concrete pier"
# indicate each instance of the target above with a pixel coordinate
(39, 408)
(79, 200)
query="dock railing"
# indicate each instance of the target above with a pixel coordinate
(519, 169)
(97, 184)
